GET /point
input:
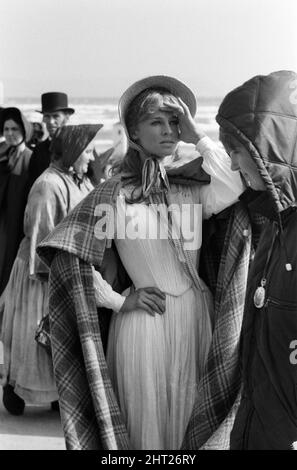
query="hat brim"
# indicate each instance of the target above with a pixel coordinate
(64, 110)
(174, 86)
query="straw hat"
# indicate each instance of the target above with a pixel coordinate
(174, 86)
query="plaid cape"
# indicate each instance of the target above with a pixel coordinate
(225, 265)
(219, 390)
(90, 413)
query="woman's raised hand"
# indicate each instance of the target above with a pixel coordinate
(150, 299)
(190, 131)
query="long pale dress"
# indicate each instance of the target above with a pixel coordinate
(27, 367)
(156, 362)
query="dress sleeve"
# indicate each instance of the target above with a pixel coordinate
(105, 295)
(225, 186)
(46, 207)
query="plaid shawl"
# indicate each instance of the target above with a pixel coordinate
(219, 391)
(90, 413)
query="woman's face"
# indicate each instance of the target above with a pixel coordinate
(158, 133)
(241, 160)
(12, 133)
(82, 163)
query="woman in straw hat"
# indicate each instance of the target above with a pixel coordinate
(134, 229)
(28, 372)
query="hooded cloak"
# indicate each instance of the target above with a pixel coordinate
(262, 115)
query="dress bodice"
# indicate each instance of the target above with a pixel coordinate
(143, 245)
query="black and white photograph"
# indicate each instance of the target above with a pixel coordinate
(148, 227)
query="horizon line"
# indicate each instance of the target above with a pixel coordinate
(101, 97)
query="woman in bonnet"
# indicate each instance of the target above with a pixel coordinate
(14, 187)
(160, 330)
(28, 370)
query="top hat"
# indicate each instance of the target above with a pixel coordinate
(55, 101)
(174, 86)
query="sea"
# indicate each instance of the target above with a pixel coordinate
(105, 111)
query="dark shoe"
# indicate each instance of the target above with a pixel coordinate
(14, 404)
(55, 406)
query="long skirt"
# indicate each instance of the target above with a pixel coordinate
(155, 365)
(27, 366)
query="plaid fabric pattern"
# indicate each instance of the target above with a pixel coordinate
(219, 389)
(75, 234)
(213, 236)
(89, 410)
(90, 414)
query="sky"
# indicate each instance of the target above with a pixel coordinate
(91, 48)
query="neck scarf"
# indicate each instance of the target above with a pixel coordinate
(150, 178)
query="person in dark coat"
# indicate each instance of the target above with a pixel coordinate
(39, 134)
(258, 127)
(56, 114)
(14, 187)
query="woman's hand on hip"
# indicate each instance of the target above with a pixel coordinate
(150, 299)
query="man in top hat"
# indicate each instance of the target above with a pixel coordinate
(56, 114)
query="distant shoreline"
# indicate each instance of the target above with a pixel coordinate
(75, 100)
(105, 110)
